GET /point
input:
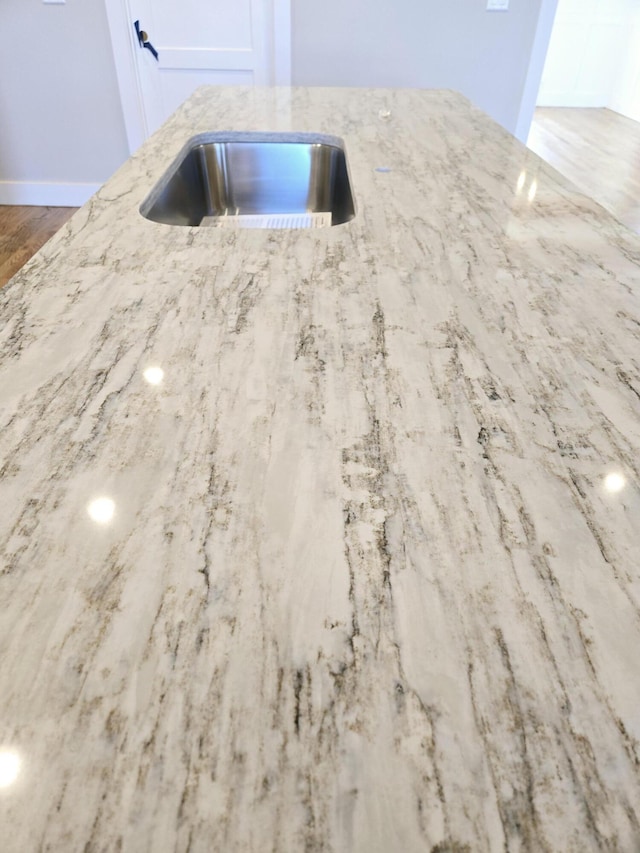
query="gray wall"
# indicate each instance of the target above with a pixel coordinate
(454, 44)
(60, 114)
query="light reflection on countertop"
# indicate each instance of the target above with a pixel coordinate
(614, 482)
(154, 375)
(101, 510)
(10, 765)
(533, 186)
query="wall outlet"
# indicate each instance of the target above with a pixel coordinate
(497, 5)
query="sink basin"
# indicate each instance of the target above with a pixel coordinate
(255, 180)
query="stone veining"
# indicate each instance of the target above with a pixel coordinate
(365, 586)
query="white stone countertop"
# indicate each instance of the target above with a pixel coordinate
(372, 578)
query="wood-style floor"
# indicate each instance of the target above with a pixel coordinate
(23, 230)
(598, 150)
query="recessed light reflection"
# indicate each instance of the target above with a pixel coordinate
(533, 189)
(101, 510)
(614, 482)
(521, 180)
(10, 763)
(154, 375)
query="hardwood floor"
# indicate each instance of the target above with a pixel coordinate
(23, 230)
(598, 150)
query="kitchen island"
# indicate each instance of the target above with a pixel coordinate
(326, 539)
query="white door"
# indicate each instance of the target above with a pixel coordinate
(219, 42)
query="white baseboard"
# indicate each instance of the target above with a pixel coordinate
(44, 194)
(572, 99)
(625, 111)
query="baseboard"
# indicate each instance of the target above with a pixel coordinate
(44, 194)
(623, 110)
(572, 99)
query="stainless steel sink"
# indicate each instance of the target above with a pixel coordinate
(255, 180)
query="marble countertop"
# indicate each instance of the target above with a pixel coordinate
(326, 539)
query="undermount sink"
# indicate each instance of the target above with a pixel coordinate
(255, 180)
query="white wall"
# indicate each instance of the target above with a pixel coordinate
(594, 55)
(453, 44)
(61, 127)
(626, 89)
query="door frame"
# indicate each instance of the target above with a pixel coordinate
(124, 48)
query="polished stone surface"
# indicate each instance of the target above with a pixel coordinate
(326, 539)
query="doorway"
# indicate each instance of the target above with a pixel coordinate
(587, 120)
(593, 58)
